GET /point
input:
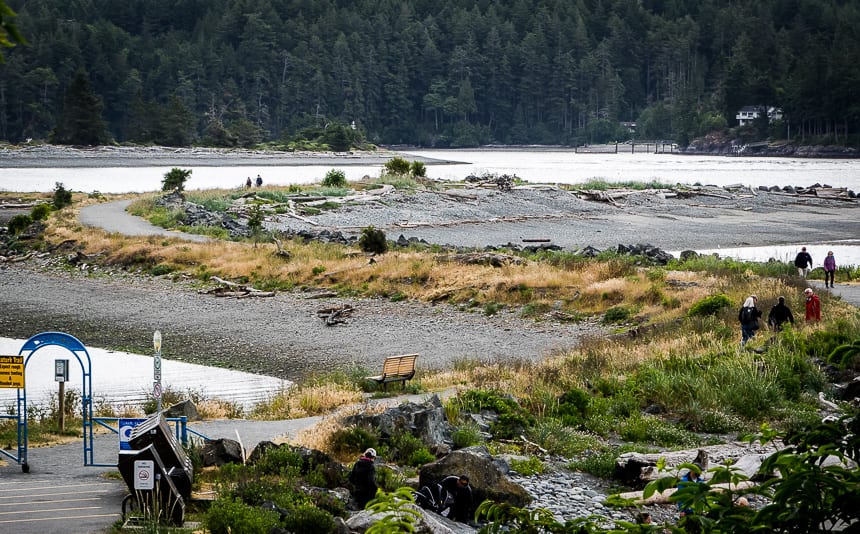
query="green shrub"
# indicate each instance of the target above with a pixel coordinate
(334, 178)
(280, 461)
(529, 467)
(162, 269)
(397, 165)
(617, 314)
(420, 457)
(307, 518)
(19, 223)
(466, 436)
(353, 440)
(572, 407)
(373, 241)
(228, 516)
(513, 419)
(419, 169)
(40, 212)
(710, 305)
(600, 463)
(557, 438)
(62, 197)
(175, 179)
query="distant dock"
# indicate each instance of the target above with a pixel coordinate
(630, 147)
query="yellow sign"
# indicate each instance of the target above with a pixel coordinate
(11, 371)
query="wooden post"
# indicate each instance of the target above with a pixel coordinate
(62, 406)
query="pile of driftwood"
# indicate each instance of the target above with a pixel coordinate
(335, 315)
(233, 290)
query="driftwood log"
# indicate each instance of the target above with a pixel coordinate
(233, 290)
(336, 315)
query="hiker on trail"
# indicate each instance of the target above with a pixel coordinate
(803, 262)
(779, 315)
(363, 478)
(748, 317)
(813, 305)
(248, 183)
(829, 268)
(259, 180)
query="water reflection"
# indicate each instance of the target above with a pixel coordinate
(122, 379)
(847, 253)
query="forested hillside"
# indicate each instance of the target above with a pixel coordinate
(429, 72)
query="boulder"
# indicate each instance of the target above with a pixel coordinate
(185, 409)
(426, 421)
(222, 451)
(487, 477)
(427, 522)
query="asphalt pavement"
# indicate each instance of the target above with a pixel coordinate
(112, 217)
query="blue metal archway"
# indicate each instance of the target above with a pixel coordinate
(73, 345)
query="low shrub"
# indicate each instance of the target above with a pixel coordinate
(710, 305)
(227, 516)
(397, 165)
(466, 436)
(40, 212)
(334, 178)
(373, 240)
(307, 518)
(353, 440)
(19, 223)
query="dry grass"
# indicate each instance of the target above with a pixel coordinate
(307, 401)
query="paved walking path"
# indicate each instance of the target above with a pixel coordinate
(112, 217)
(848, 293)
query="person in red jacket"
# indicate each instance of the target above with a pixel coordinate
(813, 305)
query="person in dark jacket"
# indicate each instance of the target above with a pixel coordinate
(461, 494)
(363, 478)
(779, 315)
(748, 317)
(803, 262)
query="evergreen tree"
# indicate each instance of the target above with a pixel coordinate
(81, 120)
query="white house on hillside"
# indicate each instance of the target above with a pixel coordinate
(747, 114)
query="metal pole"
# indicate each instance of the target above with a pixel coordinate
(62, 406)
(156, 370)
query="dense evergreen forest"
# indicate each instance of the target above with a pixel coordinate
(428, 72)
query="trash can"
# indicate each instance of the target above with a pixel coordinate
(151, 486)
(155, 431)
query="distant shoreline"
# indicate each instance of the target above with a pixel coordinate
(52, 156)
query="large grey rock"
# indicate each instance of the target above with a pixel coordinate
(221, 451)
(426, 421)
(427, 522)
(185, 409)
(487, 477)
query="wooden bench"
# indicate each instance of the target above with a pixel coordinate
(396, 369)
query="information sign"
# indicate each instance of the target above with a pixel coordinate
(126, 425)
(144, 474)
(11, 372)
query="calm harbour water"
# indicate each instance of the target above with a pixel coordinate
(537, 166)
(123, 379)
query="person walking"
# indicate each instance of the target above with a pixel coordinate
(259, 181)
(363, 478)
(829, 268)
(803, 262)
(779, 315)
(813, 305)
(748, 317)
(248, 183)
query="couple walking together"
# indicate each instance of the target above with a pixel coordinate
(803, 262)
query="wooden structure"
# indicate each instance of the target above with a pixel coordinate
(396, 369)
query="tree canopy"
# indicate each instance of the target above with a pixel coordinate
(440, 73)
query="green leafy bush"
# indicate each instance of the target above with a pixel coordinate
(617, 314)
(334, 178)
(353, 440)
(62, 196)
(466, 436)
(19, 223)
(373, 241)
(710, 305)
(229, 516)
(397, 165)
(280, 461)
(529, 467)
(419, 169)
(175, 179)
(513, 419)
(40, 212)
(307, 518)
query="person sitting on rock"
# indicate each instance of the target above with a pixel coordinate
(363, 478)
(460, 501)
